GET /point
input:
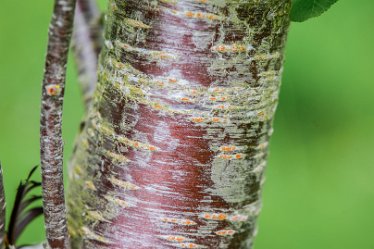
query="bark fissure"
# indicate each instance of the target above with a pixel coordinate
(51, 144)
(174, 148)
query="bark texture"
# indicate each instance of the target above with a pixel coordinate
(87, 43)
(51, 144)
(173, 150)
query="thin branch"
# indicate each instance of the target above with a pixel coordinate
(87, 39)
(51, 143)
(2, 209)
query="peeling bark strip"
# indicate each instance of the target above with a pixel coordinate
(50, 124)
(173, 151)
(2, 209)
(87, 45)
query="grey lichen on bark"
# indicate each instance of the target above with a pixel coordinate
(51, 144)
(87, 43)
(174, 148)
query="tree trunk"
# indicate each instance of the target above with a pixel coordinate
(174, 147)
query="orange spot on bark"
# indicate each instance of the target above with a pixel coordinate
(214, 216)
(184, 222)
(164, 56)
(178, 239)
(207, 216)
(225, 157)
(173, 80)
(198, 119)
(185, 99)
(188, 222)
(216, 120)
(157, 106)
(225, 232)
(211, 17)
(189, 14)
(221, 48)
(152, 148)
(213, 98)
(170, 238)
(238, 156)
(199, 15)
(222, 216)
(53, 90)
(228, 148)
(189, 245)
(241, 48)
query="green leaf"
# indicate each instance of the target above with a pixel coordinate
(304, 9)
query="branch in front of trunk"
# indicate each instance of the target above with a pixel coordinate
(51, 144)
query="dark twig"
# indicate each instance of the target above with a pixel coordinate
(21, 216)
(51, 145)
(2, 209)
(87, 41)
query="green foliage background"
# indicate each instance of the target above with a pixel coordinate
(320, 189)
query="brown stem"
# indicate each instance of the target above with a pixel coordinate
(87, 45)
(51, 144)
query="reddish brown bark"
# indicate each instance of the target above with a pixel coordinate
(173, 151)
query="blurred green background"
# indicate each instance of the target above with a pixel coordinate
(319, 192)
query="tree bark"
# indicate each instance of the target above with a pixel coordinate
(173, 150)
(87, 43)
(51, 144)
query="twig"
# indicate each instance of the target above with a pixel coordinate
(87, 45)
(2, 209)
(51, 144)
